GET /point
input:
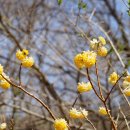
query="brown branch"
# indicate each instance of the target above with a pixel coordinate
(20, 68)
(113, 87)
(103, 101)
(91, 124)
(76, 99)
(40, 101)
(127, 123)
(92, 84)
(89, 121)
(110, 117)
(99, 85)
(9, 33)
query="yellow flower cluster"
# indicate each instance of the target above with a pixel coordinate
(85, 59)
(94, 44)
(127, 92)
(3, 83)
(78, 60)
(102, 111)
(102, 51)
(126, 85)
(89, 58)
(84, 87)
(113, 78)
(23, 57)
(3, 126)
(98, 45)
(102, 40)
(127, 78)
(78, 114)
(28, 62)
(60, 124)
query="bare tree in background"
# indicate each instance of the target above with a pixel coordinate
(54, 35)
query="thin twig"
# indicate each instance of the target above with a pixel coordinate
(99, 85)
(89, 121)
(78, 15)
(92, 14)
(20, 68)
(92, 84)
(124, 96)
(125, 4)
(76, 100)
(108, 112)
(127, 124)
(103, 101)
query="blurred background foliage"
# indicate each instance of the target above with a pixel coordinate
(54, 31)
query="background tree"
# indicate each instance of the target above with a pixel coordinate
(54, 34)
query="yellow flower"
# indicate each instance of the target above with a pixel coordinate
(1, 77)
(102, 40)
(94, 43)
(74, 113)
(89, 58)
(94, 40)
(28, 62)
(78, 114)
(102, 51)
(1, 69)
(127, 92)
(84, 87)
(113, 78)
(85, 59)
(4, 84)
(127, 78)
(126, 84)
(25, 52)
(3, 126)
(102, 111)
(60, 124)
(78, 60)
(83, 113)
(20, 55)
